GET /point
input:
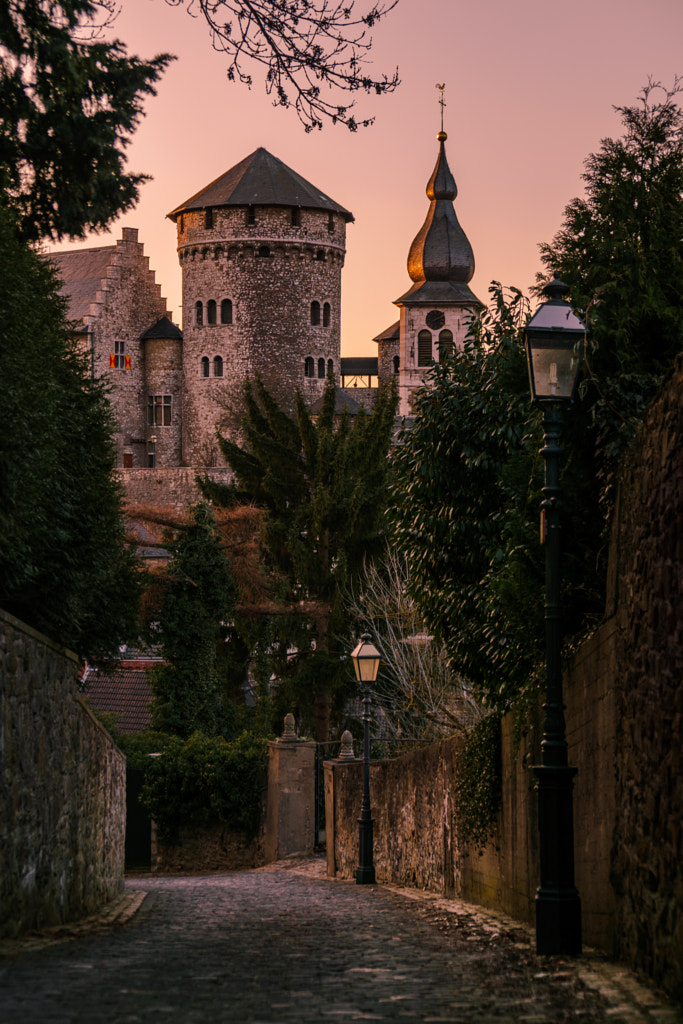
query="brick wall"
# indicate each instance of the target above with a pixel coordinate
(62, 789)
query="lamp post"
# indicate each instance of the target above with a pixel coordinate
(554, 339)
(365, 659)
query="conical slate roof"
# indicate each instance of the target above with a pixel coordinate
(441, 260)
(163, 328)
(261, 180)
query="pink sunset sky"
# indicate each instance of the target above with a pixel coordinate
(530, 89)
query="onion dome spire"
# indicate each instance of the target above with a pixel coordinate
(441, 250)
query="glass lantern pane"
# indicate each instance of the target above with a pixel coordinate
(554, 371)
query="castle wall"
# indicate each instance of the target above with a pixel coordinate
(271, 295)
(127, 303)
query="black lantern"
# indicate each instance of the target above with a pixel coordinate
(366, 660)
(554, 339)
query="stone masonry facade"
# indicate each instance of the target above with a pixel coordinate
(62, 789)
(279, 286)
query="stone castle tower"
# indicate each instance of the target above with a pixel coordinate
(261, 251)
(436, 309)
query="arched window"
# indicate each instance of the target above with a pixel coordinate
(315, 314)
(320, 255)
(327, 314)
(397, 363)
(211, 312)
(263, 251)
(217, 366)
(198, 314)
(226, 311)
(424, 348)
(445, 345)
(330, 366)
(205, 366)
(308, 366)
(321, 368)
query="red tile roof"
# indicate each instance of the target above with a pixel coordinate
(124, 692)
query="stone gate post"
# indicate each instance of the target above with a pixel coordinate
(290, 813)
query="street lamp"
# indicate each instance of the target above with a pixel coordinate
(366, 660)
(554, 339)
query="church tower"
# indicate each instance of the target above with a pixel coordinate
(261, 251)
(435, 310)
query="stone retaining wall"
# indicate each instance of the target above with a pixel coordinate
(170, 487)
(624, 697)
(62, 789)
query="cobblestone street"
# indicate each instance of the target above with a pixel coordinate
(285, 944)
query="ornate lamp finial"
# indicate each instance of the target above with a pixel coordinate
(442, 103)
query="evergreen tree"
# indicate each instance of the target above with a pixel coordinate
(194, 632)
(469, 473)
(64, 566)
(321, 482)
(68, 106)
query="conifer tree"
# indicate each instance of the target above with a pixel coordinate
(194, 631)
(321, 482)
(64, 566)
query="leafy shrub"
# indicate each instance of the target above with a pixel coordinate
(206, 780)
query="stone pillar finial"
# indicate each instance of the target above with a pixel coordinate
(289, 735)
(346, 753)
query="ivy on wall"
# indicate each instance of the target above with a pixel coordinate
(478, 786)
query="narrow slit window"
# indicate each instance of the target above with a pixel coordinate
(198, 314)
(327, 314)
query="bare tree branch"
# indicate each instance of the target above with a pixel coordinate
(304, 46)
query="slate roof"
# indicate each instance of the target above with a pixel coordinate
(163, 328)
(260, 180)
(81, 272)
(359, 366)
(392, 333)
(124, 692)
